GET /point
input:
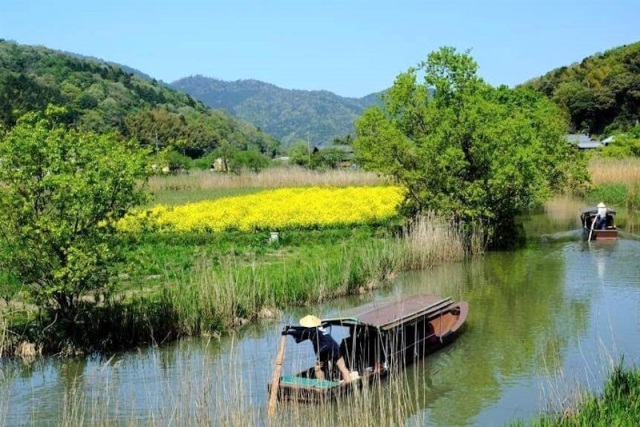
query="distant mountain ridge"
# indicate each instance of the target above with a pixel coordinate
(287, 114)
(601, 93)
(104, 97)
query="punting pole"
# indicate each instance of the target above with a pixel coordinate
(275, 381)
(591, 231)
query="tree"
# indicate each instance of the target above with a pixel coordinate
(251, 159)
(61, 195)
(464, 148)
(300, 153)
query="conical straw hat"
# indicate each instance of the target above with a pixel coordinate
(310, 321)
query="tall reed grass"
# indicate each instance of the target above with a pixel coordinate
(226, 396)
(4, 332)
(236, 290)
(615, 171)
(289, 176)
(431, 239)
(616, 181)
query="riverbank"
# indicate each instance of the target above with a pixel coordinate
(617, 405)
(174, 285)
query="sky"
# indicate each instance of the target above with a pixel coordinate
(351, 48)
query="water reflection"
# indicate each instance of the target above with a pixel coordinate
(542, 319)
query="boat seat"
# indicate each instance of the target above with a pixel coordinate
(308, 382)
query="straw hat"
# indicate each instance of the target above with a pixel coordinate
(601, 205)
(310, 321)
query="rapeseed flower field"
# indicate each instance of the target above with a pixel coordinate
(285, 208)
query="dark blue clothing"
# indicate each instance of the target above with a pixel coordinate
(325, 347)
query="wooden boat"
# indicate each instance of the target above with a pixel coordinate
(589, 230)
(383, 336)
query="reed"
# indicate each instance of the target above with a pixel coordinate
(615, 171)
(235, 291)
(4, 332)
(226, 396)
(431, 239)
(290, 176)
(617, 405)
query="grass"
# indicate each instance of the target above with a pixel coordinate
(207, 185)
(615, 181)
(614, 171)
(180, 285)
(617, 405)
(225, 396)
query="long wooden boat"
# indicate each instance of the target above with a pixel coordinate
(383, 336)
(589, 230)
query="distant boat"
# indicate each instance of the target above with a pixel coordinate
(383, 336)
(589, 230)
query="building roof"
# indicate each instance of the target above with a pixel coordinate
(582, 141)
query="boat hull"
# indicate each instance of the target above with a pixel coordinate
(407, 342)
(606, 234)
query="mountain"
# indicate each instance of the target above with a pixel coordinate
(601, 93)
(105, 97)
(290, 115)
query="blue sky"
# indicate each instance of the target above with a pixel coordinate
(351, 48)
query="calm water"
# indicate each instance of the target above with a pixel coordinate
(544, 321)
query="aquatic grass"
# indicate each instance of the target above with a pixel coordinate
(617, 405)
(233, 292)
(563, 208)
(431, 239)
(227, 396)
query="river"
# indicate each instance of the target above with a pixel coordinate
(545, 322)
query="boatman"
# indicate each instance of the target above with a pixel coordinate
(601, 218)
(325, 347)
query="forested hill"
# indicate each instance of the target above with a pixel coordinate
(318, 116)
(601, 93)
(103, 97)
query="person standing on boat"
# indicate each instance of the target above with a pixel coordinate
(325, 347)
(601, 218)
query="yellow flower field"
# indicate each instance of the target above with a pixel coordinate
(279, 209)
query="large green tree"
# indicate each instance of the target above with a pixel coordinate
(464, 148)
(61, 193)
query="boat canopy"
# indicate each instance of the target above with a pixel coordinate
(593, 210)
(391, 313)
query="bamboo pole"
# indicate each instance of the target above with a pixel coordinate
(591, 231)
(275, 381)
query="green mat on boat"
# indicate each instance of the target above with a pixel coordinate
(308, 382)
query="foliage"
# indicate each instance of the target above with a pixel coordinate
(286, 208)
(205, 162)
(176, 161)
(618, 405)
(104, 98)
(289, 115)
(624, 144)
(63, 190)
(300, 153)
(251, 160)
(470, 150)
(327, 158)
(601, 93)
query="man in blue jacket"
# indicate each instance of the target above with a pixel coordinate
(325, 347)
